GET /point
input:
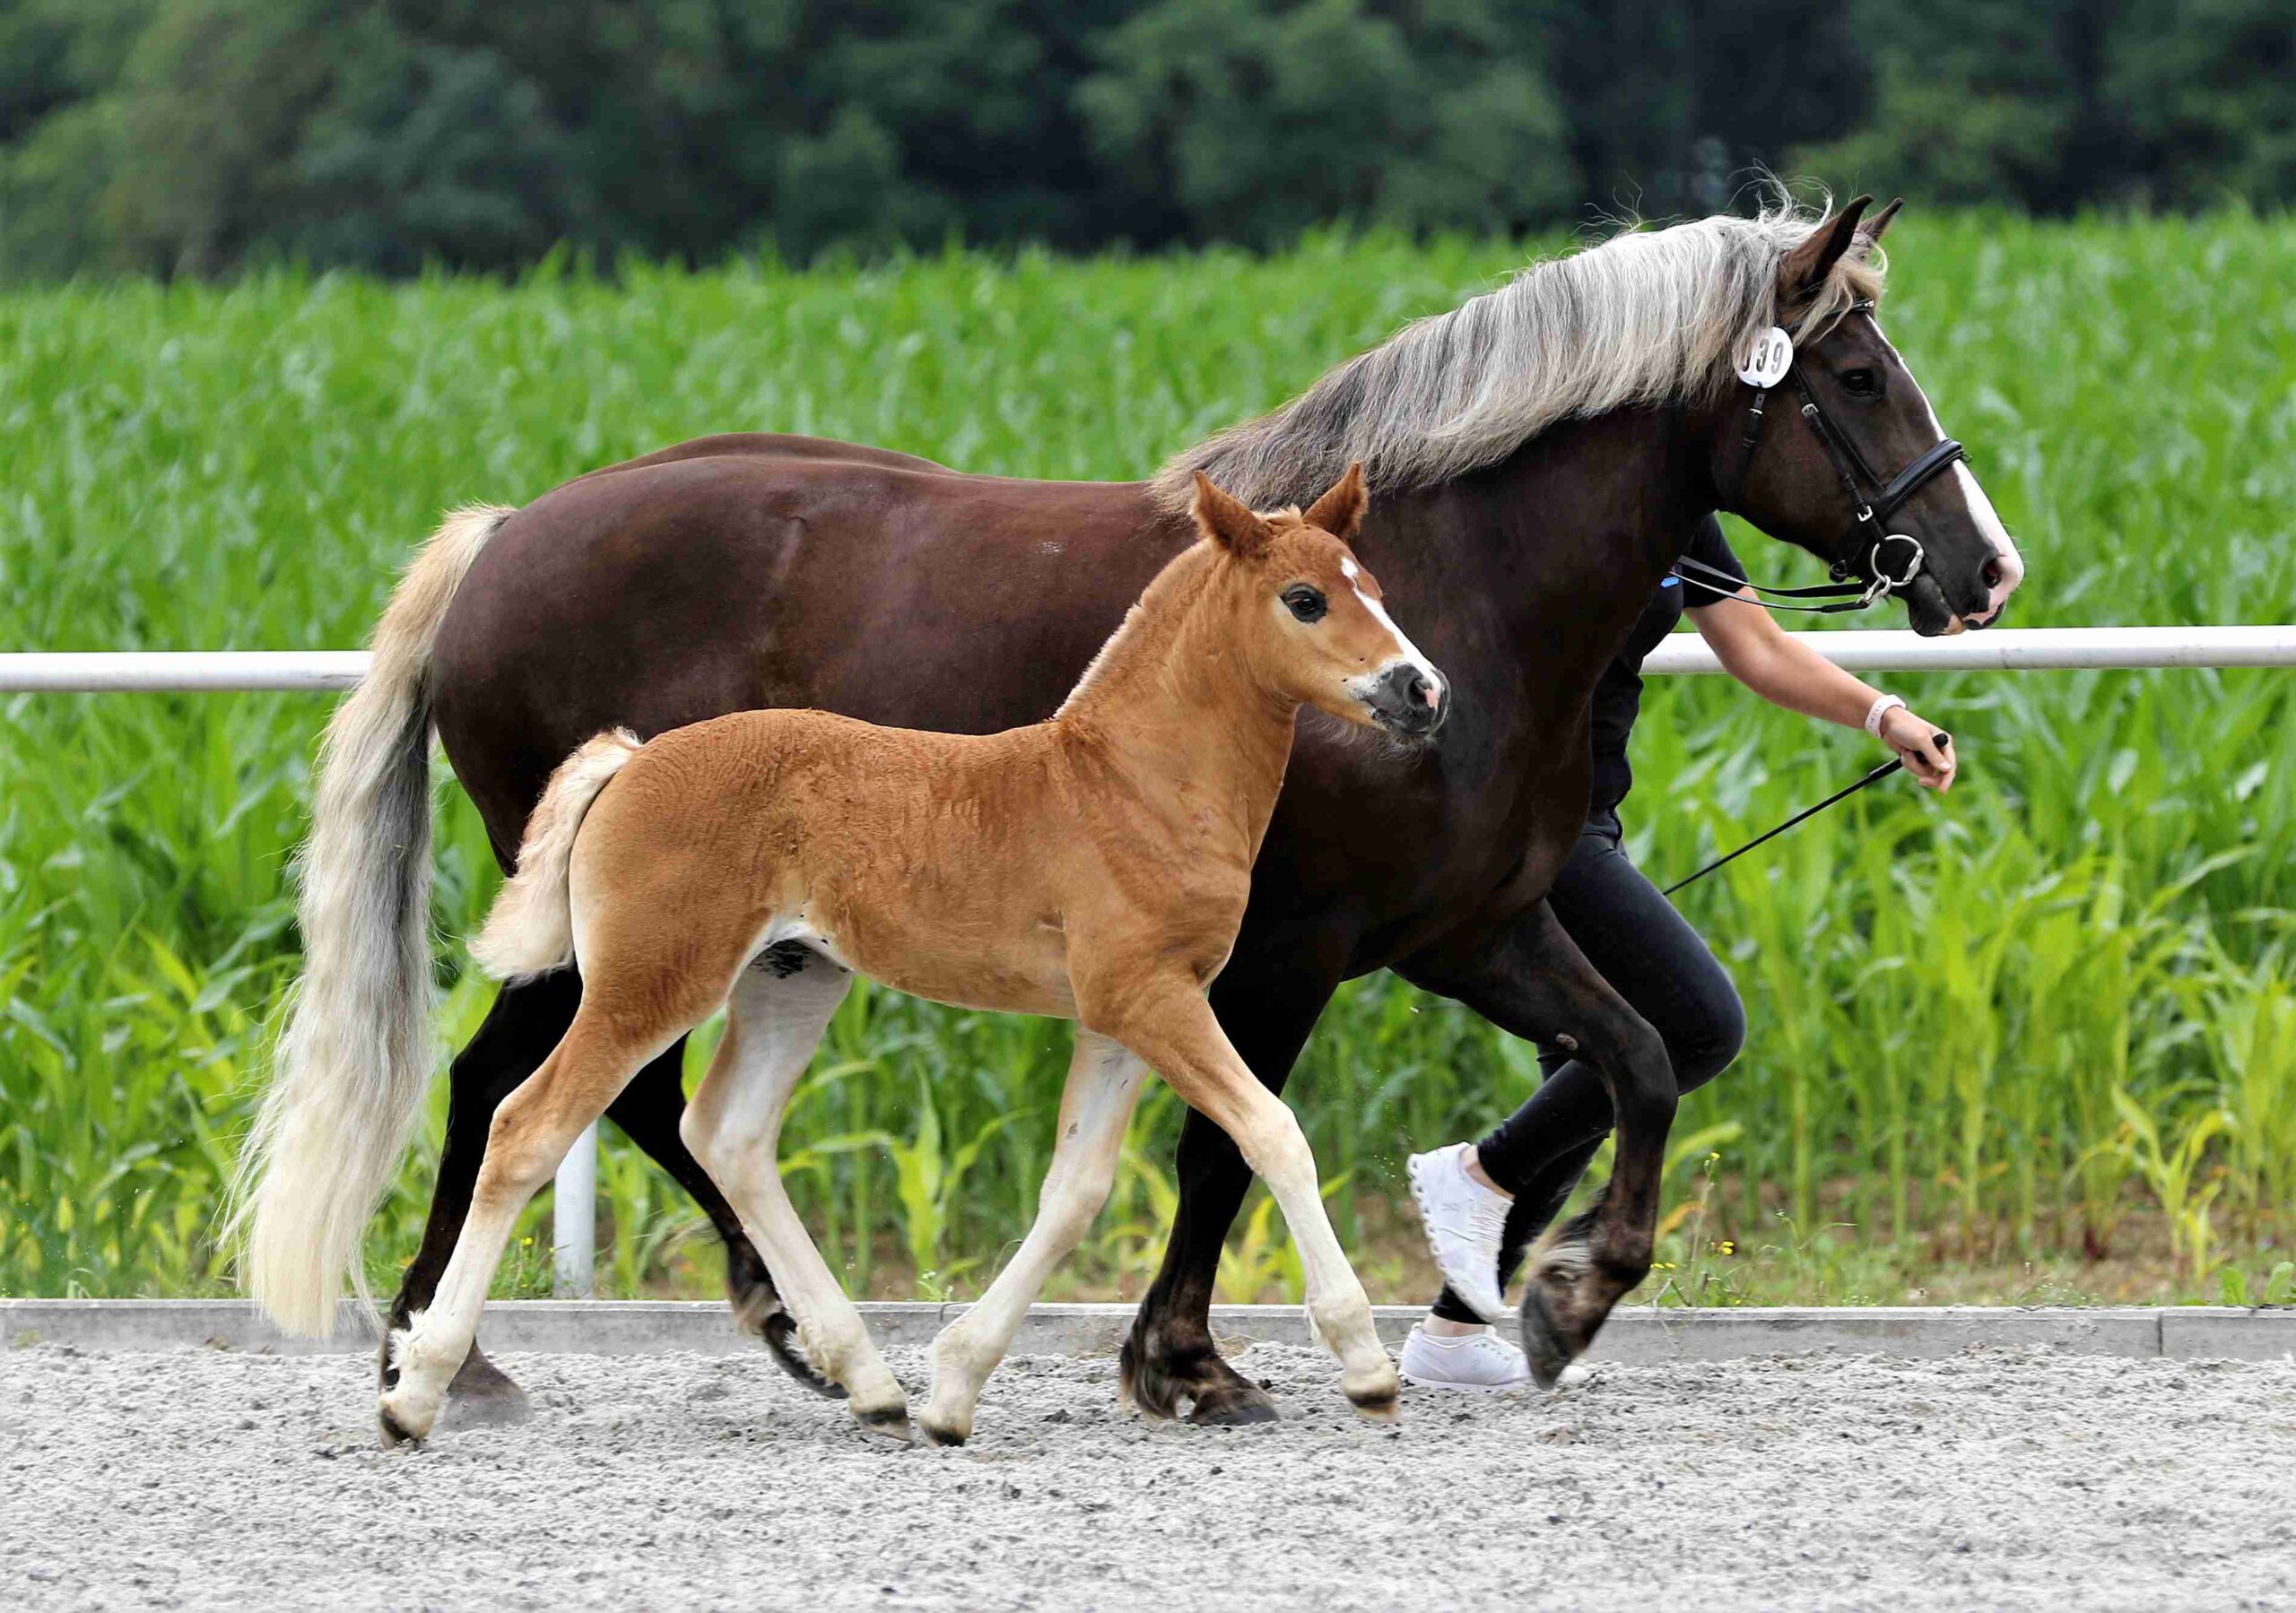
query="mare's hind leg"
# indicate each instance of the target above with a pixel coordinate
(780, 1007)
(525, 1023)
(529, 1135)
(1103, 1085)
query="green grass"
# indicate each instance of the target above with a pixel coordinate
(2051, 1017)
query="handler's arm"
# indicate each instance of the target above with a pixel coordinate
(1781, 669)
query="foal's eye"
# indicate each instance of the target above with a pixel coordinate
(1305, 602)
(1862, 383)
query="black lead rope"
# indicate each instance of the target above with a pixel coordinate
(1895, 764)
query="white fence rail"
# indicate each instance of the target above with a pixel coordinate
(574, 1204)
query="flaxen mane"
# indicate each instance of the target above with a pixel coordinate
(1645, 317)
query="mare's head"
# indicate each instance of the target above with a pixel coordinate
(1308, 615)
(1846, 458)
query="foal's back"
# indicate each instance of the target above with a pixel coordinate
(935, 862)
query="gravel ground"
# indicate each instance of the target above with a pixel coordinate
(1997, 1478)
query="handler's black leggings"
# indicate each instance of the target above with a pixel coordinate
(1652, 958)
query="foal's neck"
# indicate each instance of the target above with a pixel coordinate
(1174, 694)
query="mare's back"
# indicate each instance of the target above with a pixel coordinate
(752, 572)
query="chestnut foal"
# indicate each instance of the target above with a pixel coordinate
(1092, 867)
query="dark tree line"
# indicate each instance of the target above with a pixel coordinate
(189, 136)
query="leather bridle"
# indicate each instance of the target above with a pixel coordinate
(1868, 547)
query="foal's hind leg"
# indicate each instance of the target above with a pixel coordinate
(530, 1134)
(780, 1007)
(1103, 1085)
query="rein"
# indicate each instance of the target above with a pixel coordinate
(1866, 531)
(1895, 764)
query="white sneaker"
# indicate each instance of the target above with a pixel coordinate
(1480, 1361)
(1465, 1223)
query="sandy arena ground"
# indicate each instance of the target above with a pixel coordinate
(1997, 1478)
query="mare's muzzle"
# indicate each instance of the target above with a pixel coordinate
(1409, 699)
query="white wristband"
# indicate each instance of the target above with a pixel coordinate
(1881, 706)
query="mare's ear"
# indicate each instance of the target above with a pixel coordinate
(1340, 511)
(1227, 520)
(1881, 221)
(1807, 267)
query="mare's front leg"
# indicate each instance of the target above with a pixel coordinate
(1095, 1105)
(1268, 1013)
(1169, 1024)
(1530, 979)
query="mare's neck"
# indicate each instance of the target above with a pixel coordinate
(1173, 700)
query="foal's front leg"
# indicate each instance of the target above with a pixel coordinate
(1103, 1086)
(1172, 1027)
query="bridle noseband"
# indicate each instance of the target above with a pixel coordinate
(1868, 539)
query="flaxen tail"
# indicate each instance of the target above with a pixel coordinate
(349, 1071)
(530, 929)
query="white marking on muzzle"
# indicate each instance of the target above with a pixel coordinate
(1409, 651)
(1984, 517)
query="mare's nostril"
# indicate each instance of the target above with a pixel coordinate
(1991, 574)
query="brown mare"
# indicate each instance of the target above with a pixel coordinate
(1092, 867)
(1541, 452)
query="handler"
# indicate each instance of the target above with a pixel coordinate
(1483, 1202)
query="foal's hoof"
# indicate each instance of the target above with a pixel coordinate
(1542, 1343)
(1386, 1407)
(483, 1396)
(392, 1433)
(891, 1421)
(943, 1433)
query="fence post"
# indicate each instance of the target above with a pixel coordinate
(574, 1218)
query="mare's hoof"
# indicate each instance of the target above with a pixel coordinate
(936, 1434)
(1219, 1397)
(891, 1421)
(483, 1396)
(1542, 1344)
(779, 1331)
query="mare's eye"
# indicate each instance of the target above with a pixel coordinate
(1862, 383)
(1305, 602)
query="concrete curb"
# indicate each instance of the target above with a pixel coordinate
(1636, 1334)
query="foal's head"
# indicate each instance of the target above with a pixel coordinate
(1307, 614)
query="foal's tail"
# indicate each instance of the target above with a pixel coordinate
(530, 930)
(351, 1067)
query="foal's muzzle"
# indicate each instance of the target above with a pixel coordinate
(1409, 699)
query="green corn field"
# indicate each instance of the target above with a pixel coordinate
(2037, 1039)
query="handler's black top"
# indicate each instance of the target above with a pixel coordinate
(1618, 698)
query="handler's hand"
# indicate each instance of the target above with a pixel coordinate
(1932, 764)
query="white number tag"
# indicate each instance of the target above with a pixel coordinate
(1771, 358)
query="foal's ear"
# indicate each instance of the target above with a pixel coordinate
(1227, 519)
(1340, 511)
(1807, 267)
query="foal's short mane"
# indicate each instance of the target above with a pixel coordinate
(1645, 317)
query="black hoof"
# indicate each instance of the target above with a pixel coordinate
(1543, 1344)
(483, 1396)
(941, 1436)
(1218, 1396)
(779, 1331)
